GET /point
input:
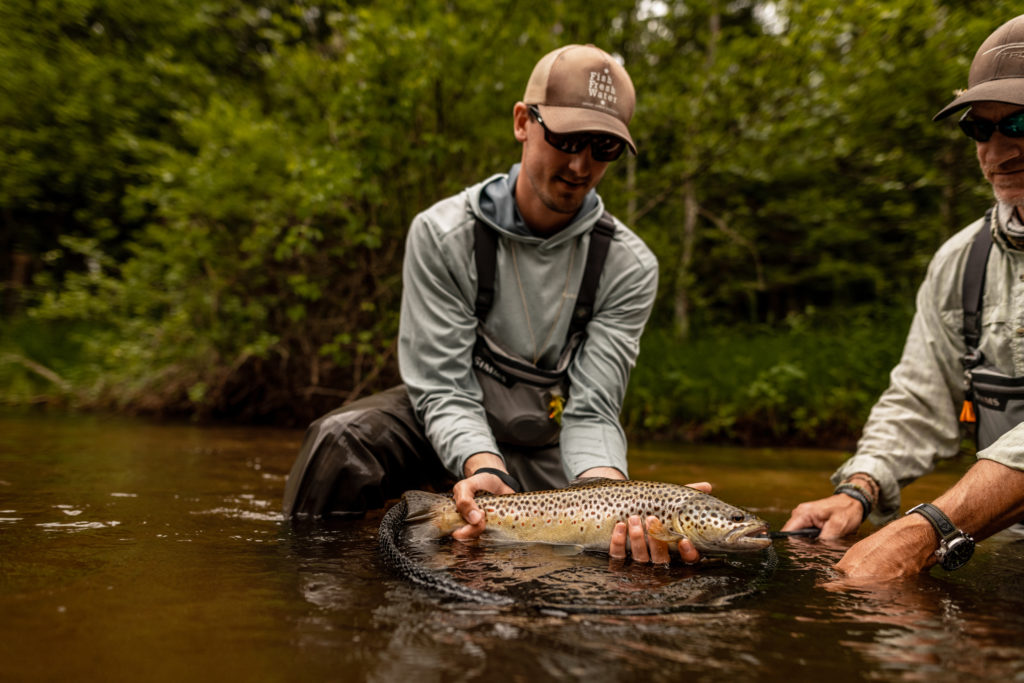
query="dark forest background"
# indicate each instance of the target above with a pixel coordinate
(203, 202)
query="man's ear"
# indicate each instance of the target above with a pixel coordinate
(520, 117)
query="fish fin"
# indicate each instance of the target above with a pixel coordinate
(655, 529)
(423, 515)
(566, 549)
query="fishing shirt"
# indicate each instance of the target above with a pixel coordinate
(536, 284)
(915, 422)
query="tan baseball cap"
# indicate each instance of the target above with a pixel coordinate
(997, 72)
(582, 88)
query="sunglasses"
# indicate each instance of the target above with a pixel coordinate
(981, 130)
(603, 147)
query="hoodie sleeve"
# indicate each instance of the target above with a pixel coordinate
(592, 435)
(437, 330)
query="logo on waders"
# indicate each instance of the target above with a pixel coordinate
(488, 369)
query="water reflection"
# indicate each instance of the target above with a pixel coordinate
(558, 580)
(140, 551)
(942, 625)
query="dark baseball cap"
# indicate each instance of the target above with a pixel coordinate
(997, 72)
(581, 88)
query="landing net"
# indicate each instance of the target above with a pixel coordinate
(547, 579)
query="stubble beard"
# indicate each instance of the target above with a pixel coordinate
(1012, 193)
(568, 206)
(1014, 198)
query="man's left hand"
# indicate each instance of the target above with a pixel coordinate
(643, 547)
(901, 548)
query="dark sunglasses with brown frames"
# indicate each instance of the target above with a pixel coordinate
(603, 146)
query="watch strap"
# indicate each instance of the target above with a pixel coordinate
(955, 546)
(944, 528)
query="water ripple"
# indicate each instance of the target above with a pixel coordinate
(78, 526)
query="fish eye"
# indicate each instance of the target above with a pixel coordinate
(737, 516)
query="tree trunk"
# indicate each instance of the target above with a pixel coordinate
(691, 207)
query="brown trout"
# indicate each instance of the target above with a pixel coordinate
(585, 514)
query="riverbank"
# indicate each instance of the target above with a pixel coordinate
(809, 380)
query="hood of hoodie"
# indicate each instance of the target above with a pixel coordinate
(494, 201)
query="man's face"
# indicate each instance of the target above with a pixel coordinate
(556, 182)
(1001, 158)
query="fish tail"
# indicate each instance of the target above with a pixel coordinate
(425, 516)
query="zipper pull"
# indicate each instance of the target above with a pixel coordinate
(967, 412)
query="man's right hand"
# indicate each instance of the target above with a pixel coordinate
(466, 489)
(836, 516)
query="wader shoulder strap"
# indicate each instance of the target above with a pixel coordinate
(600, 240)
(974, 283)
(485, 248)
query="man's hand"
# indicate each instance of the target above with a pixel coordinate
(836, 516)
(465, 492)
(645, 548)
(989, 497)
(901, 548)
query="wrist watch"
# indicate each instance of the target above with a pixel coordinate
(955, 546)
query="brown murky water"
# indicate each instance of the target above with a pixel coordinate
(134, 551)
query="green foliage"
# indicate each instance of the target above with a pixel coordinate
(817, 175)
(810, 380)
(26, 381)
(213, 194)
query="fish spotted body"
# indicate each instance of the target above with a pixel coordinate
(585, 514)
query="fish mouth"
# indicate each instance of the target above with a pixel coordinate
(750, 537)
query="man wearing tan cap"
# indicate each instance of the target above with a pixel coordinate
(522, 309)
(963, 362)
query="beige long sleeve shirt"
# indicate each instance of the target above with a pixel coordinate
(915, 423)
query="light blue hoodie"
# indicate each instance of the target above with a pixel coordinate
(535, 290)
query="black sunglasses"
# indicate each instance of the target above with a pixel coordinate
(981, 130)
(603, 147)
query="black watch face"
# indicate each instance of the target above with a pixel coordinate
(959, 552)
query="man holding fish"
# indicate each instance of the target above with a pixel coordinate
(522, 309)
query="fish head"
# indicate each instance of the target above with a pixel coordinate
(715, 526)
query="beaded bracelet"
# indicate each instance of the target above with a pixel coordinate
(858, 493)
(869, 482)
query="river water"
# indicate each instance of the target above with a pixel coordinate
(137, 551)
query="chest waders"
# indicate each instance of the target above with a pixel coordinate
(994, 401)
(524, 402)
